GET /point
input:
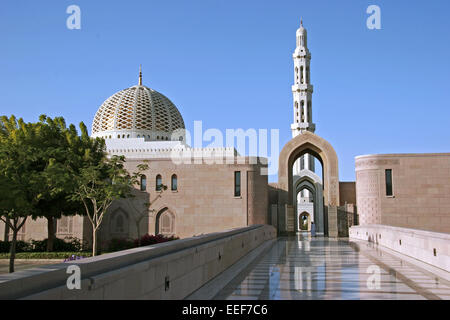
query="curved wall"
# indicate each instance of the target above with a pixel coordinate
(421, 190)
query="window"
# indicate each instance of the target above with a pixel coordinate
(301, 75)
(119, 225)
(143, 183)
(174, 183)
(158, 182)
(389, 182)
(64, 225)
(302, 162)
(302, 110)
(165, 222)
(237, 183)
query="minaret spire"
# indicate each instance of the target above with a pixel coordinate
(140, 74)
(302, 91)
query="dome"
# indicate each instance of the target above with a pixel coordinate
(138, 112)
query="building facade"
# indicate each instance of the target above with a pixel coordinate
(208, 189)
(215, 189)
(404, 190)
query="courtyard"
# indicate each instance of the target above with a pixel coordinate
(310, 268)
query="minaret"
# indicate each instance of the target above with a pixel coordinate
(302, 95)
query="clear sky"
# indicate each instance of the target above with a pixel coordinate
(229, 64)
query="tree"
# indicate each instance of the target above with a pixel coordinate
(142, 206)
(68, 152)
(97, 186)
(21, 180)
(38, 163)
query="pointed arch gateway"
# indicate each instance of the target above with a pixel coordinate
(311, 143)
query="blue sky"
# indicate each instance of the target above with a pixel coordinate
(229, 64)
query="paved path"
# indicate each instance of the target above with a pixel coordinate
(302, 267)
(22, 265)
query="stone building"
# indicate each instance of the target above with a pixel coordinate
(208, 189)
(215, 189)
(404, 190)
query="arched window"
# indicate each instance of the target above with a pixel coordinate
(143, 183)
(174, 182)
(64, 225)
(165, 222)
(158, 182)
(119, 223)
(302, 110)
(301, 75)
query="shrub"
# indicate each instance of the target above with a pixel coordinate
(59, 245)
(4, 246)
(21, 246)
(148, 240)
(120, 244)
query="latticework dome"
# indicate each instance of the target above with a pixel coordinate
(137, 112)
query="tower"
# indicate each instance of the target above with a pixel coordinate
(302, 96)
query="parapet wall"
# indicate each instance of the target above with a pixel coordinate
(429, 247)
(170, 270)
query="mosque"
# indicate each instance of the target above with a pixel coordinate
(216, 189)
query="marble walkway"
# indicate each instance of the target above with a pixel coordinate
(305, 268)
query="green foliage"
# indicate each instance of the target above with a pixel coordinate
(38, 163)
(21, 246)
(120, 244)
(98, 185)
(60, 245)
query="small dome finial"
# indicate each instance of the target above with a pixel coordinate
(301, 21)
(140, 74)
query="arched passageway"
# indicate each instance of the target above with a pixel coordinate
(310, 143)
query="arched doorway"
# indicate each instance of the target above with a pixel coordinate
(165, 222)
(311, 143)
(304, 221)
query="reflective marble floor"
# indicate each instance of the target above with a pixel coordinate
(302, 267)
